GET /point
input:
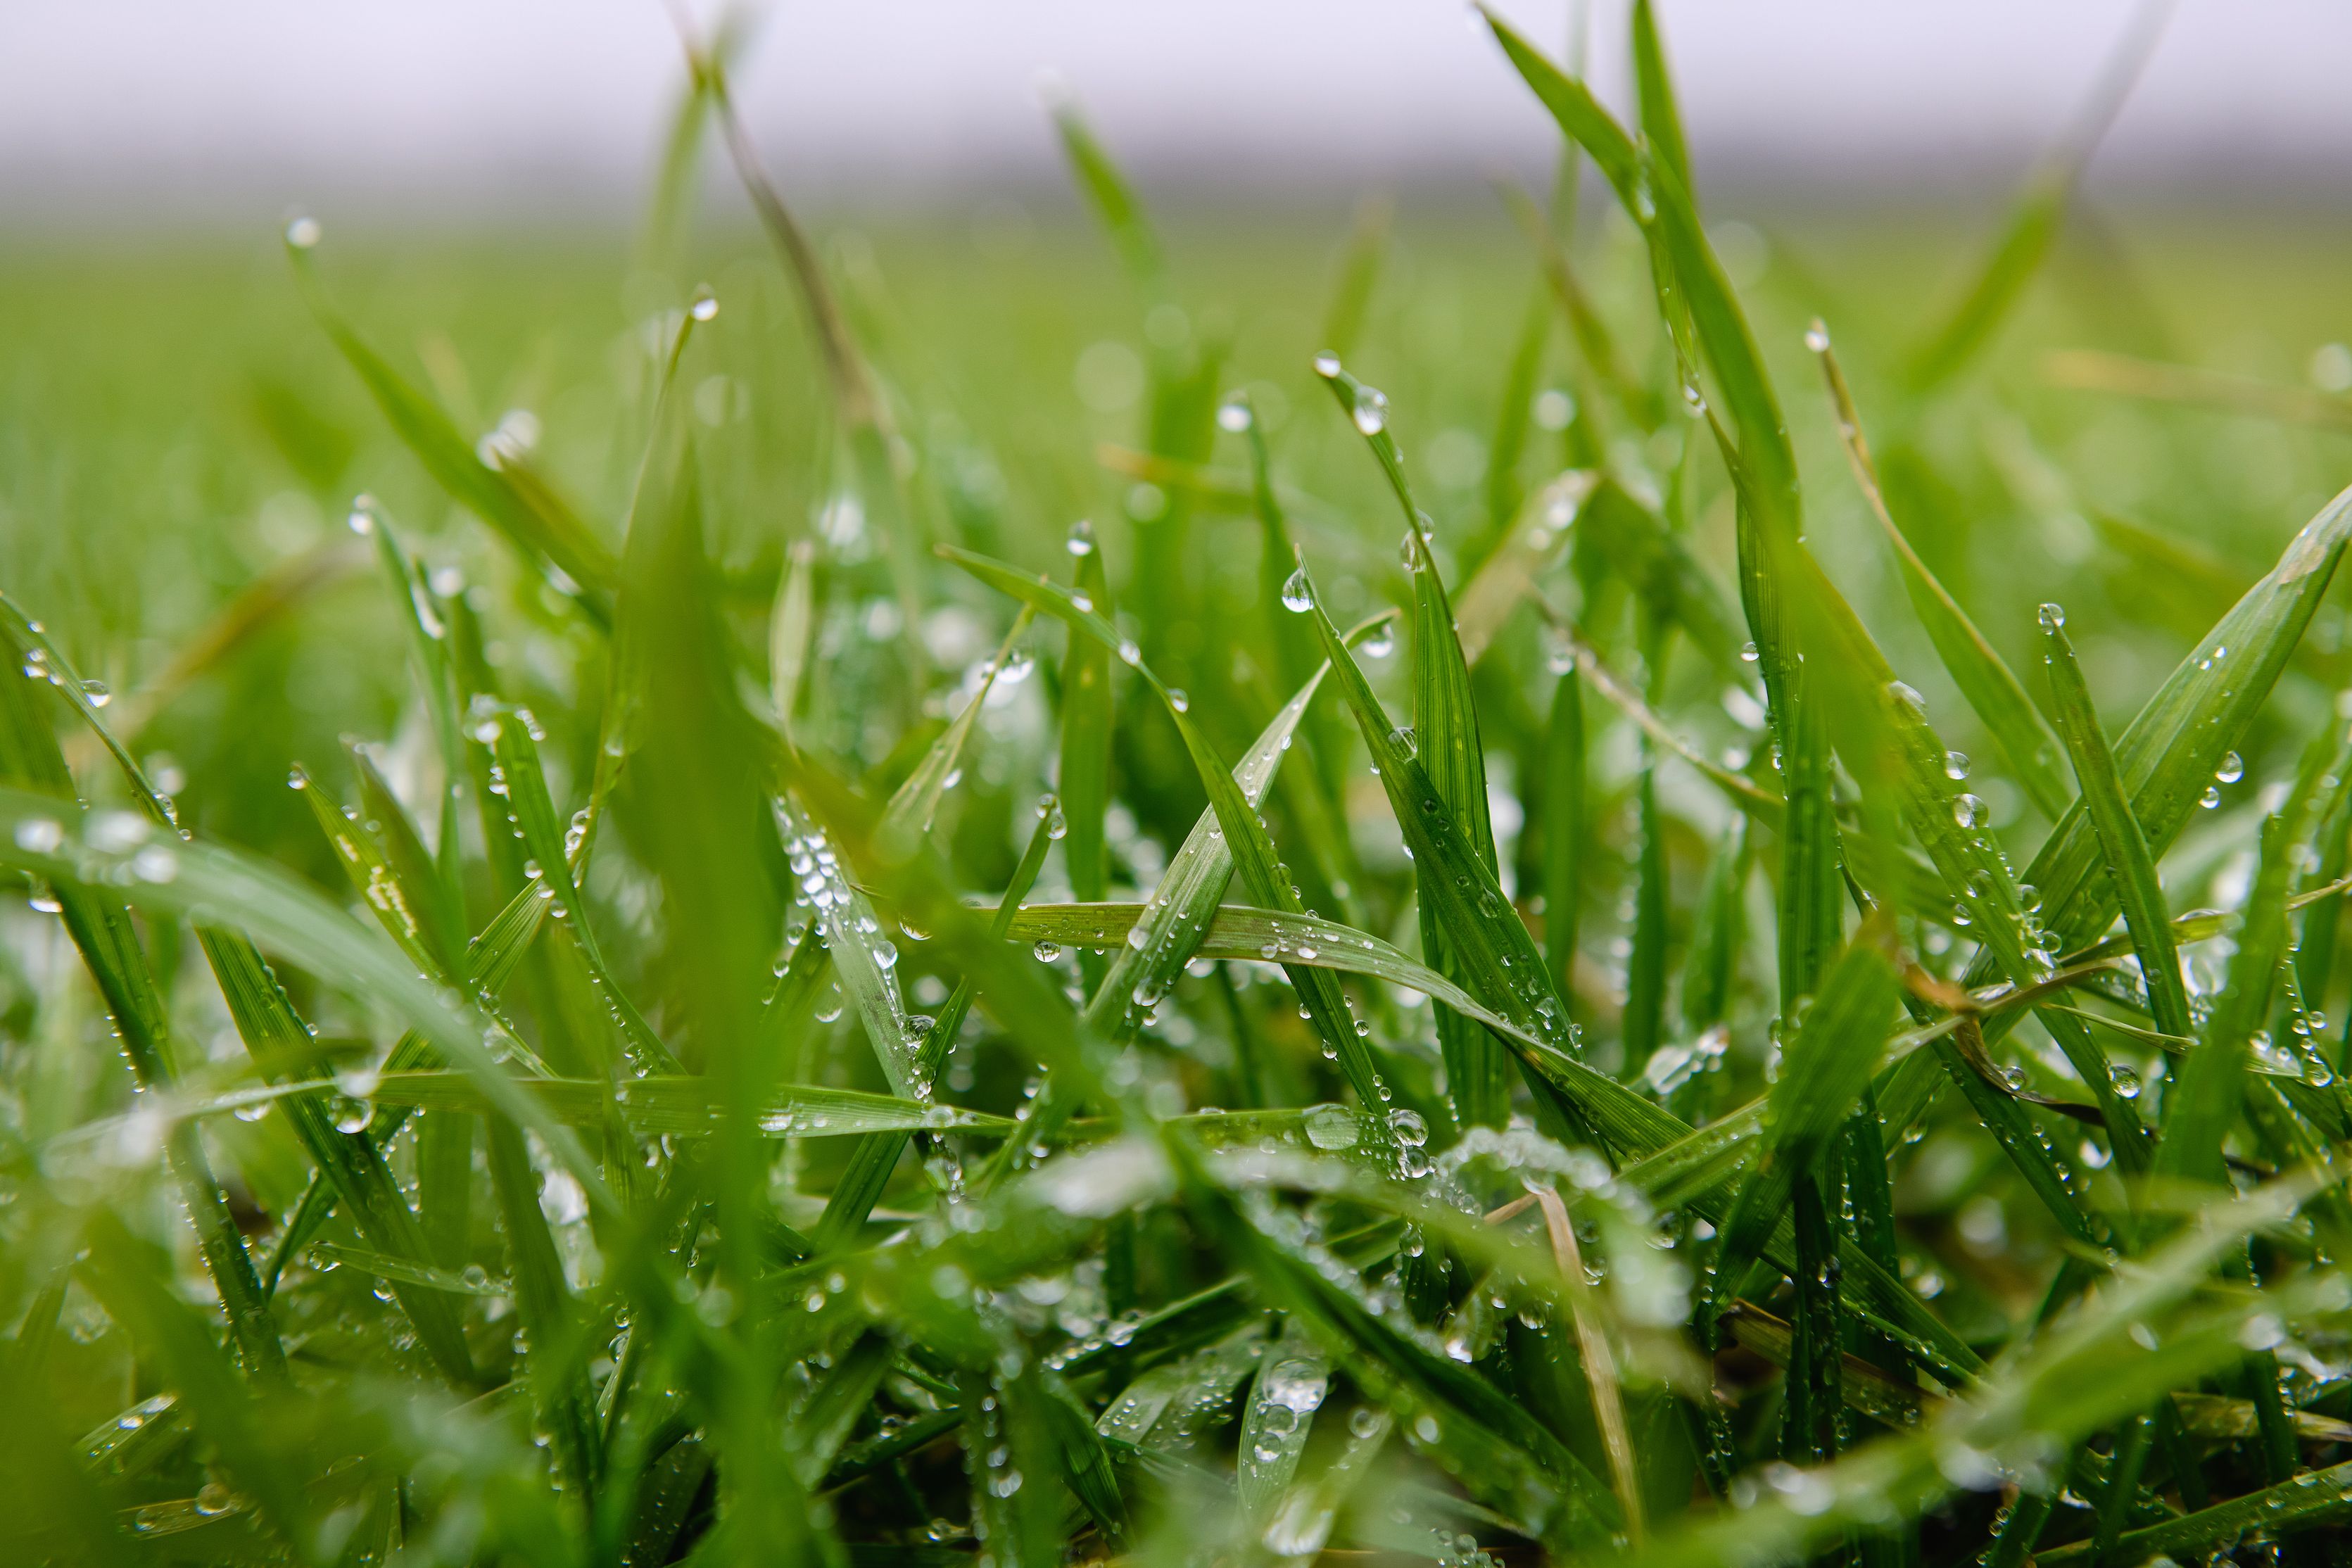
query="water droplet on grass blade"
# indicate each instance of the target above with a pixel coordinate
(1297, 594)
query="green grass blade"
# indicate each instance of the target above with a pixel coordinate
(543, 1303)
(1997, 695)
(2207, 1097)
(1358, 274)
(2168, 754)
(102, 932)
(2130, 866)
(1114, 201)
(916, 801)
(531, 814)
(1243, 834)
(1445, 720)
(497, 487)
(426, 622)
(1661, 125)
(128, 1275)
(1825, 1069)
(861, 1186)
(1292, 1381)
(2033, 222)
(1565, 830)
(1083, 777)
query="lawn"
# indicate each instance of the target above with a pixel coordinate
(1446, 878)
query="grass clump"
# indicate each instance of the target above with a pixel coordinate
(922, 1037)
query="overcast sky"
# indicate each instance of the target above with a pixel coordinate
(126, 109)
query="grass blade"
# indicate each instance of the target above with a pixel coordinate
(493, 483)
(2033, 222)
(1995, 694)
(1446, 724)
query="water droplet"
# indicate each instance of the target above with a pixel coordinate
(1297, 593)
(2232, 768)
(705, 306)
(1748, 653)
(1817, 336)
(1129, 653)
(1327, 364)
(1956, 766)
(1233, 415)
(2212, 797)
(2053, 616)
(1371, 411)
(1968, 810)
(1048, 951)
(1178, 700)
(1081, 540)
(303, 233)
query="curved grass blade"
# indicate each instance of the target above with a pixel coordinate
(916, 801)
(1593, 339)
(1508, 574)
(1996, 694)
(492, 483)
(2314, 1499)
(2033, 222)
(1291, 1383)
(1477, 1072)
(1359, 272)
(1483, 929)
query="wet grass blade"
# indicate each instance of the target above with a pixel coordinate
(1445, 720)
(2166, 756)
(102, 932)
(1564, 828)
(1237, 823)
(917, 801)
(530, 813)
(861, 1186)
(1995, 694)
(543, 1302)
(2207, 1099)
(1082, 775)
(1292, 1380)
(1827, 1066)
(2130, 866)
(493, 483)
